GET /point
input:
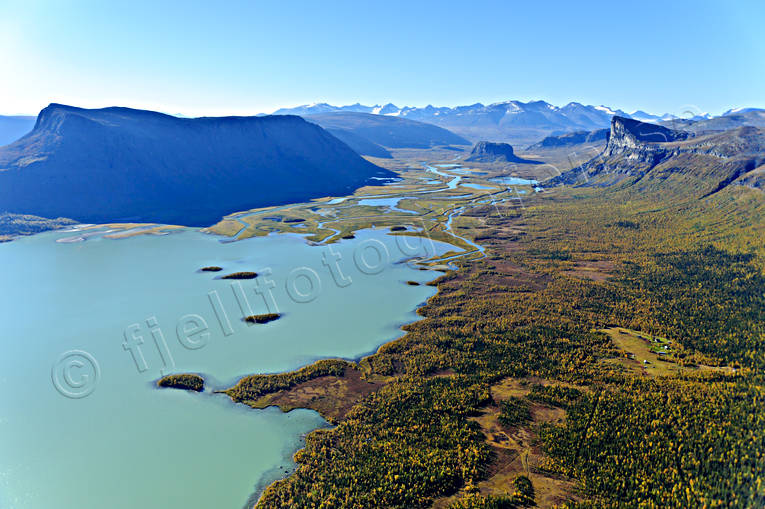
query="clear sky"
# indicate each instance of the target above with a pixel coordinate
(246, 57)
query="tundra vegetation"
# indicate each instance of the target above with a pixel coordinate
(240, 275)
(524, 383)
(186, 382)
(264, 318)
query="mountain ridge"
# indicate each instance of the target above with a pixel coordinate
(120, 164)
(516, 122)
(574, 138)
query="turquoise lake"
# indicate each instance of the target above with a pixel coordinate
(76, 435)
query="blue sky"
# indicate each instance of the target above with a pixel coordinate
(246, 57)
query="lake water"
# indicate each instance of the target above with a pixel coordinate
(514, 181)
(390, 203)
(127, 444)
(467, 171)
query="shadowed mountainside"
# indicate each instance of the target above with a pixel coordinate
(360, 144)
(569, 139)
(120, 164)
(14, 127)
(384, 131)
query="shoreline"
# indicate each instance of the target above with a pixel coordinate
(264, 484)
(357, 361)
(435, 263)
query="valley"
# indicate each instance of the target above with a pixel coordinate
(584, 304)
(553, 273)
(557, 308)
(382, 255)
(425, 201)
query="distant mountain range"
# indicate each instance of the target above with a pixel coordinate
(513, 121)
(729, 120)
(516, 122)
(319, 108)
(121, 164)
(14, 127)
(568, 139)
(368, 133)
(642, 116)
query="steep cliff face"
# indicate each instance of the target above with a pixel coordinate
(120, 164)
(489, 152)
(641, 150)
(633, 146)
(626, 133)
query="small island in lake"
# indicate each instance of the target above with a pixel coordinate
(211, 268)
(241, 275)
(265, 318)
(186, 382)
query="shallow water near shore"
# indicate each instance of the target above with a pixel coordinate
(136, 308)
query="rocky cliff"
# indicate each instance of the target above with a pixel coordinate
(490, 152)
(638, 149)
(632, 137)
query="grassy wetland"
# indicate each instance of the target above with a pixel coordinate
(186, 382)
(431, 201)
(591, 348)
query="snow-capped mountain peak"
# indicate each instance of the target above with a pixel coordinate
(605, 109)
